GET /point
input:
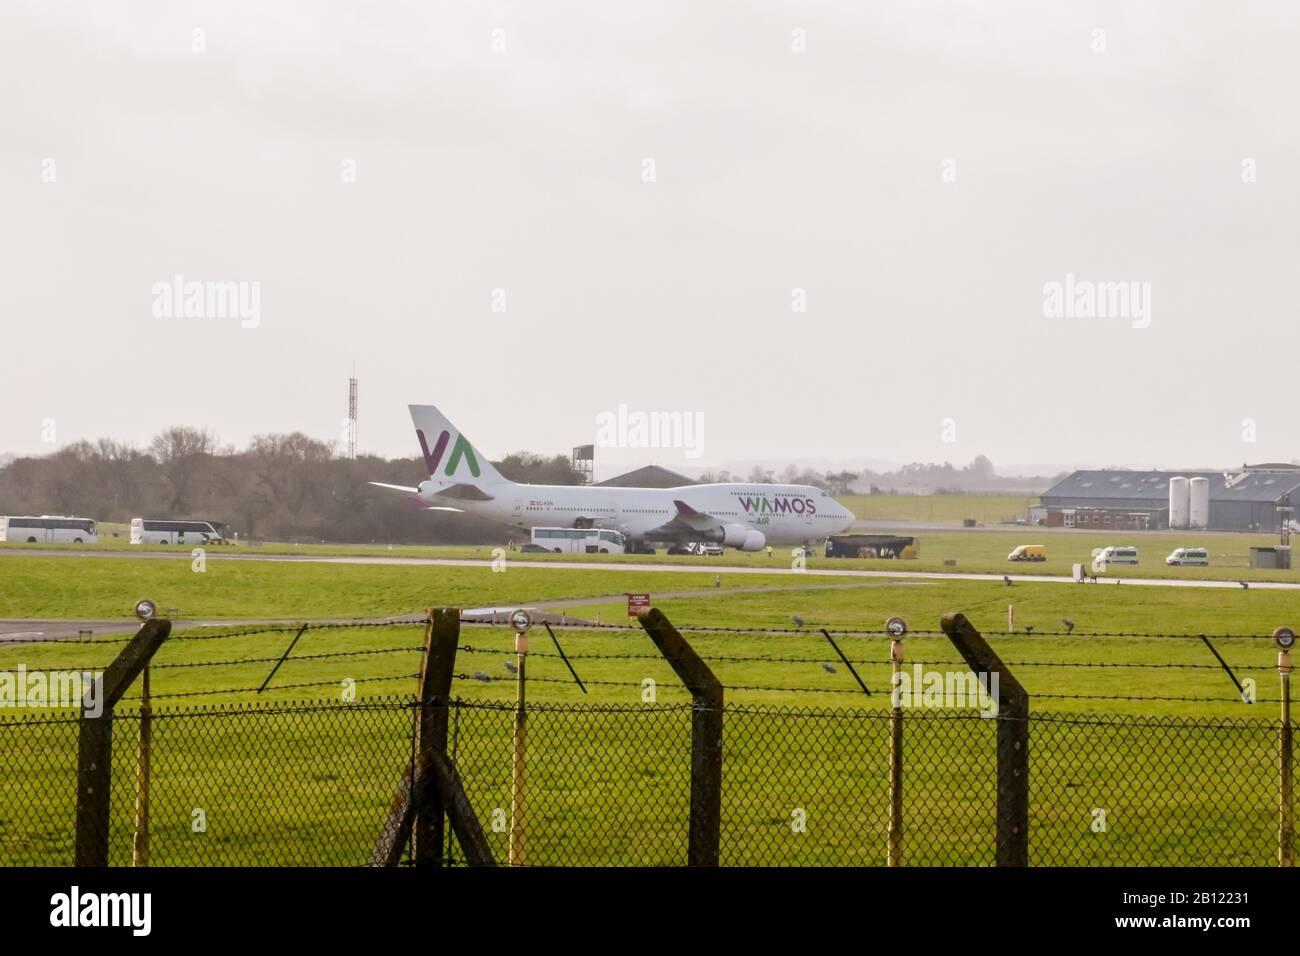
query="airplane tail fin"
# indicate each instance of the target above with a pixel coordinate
(448, 455)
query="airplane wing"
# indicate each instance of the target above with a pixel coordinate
(686, 522)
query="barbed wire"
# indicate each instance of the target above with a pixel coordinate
(751, 659)
(883, 694)
(216, 692)
(296, 659)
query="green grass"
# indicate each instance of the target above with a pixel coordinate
(108, 587)
(297, 785)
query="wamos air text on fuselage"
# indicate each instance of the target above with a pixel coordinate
(735, 514)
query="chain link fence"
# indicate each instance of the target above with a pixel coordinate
(311, 784)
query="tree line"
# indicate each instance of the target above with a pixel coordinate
(281, 487)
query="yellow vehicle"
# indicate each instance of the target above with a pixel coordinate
(1028, 552)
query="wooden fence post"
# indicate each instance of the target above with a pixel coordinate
(441, 640)
(1013, 739)
(706, 736)
(95, 744)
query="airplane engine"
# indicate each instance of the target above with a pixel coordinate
(739, 536)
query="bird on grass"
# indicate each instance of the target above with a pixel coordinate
(512, 667)
(1029, 628)
(1069, 625)
(1244, 585)
(798, 621)
(829, 668)
(480, 675)
(1006, 578)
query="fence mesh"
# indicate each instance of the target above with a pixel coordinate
(311, 784)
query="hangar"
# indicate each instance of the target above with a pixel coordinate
(651, 476)
(1244, 500)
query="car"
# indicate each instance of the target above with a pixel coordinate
(531, 548)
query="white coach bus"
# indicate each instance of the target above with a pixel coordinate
(579, 540)
(168, 531)
(48, 529)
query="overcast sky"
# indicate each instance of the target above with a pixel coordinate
(921, 172)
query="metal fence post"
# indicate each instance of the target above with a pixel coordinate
(95, 744)
(895, 848)
(140, 842)
(1285, 638)
(1013, 739)
(516, 853)
(706, 736)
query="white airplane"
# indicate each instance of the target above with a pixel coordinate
(733, 514)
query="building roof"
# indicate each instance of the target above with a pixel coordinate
(1153, 486)
(651, 476)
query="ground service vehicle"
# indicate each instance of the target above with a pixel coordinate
(1116, 554)
(1028, 552)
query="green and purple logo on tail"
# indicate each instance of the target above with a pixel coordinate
(460, 450)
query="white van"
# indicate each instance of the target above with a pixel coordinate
(1121, 554)
(1199, 556)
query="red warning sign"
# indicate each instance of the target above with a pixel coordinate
(636, 603)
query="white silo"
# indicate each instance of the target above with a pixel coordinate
(1178, 502)
(1198, 503)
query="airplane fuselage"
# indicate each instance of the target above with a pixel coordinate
(782, 514)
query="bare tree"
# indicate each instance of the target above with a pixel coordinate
(182, 453)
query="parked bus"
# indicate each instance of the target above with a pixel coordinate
(48, 529)
(168, 531)
(579, 540)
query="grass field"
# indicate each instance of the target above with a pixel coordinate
(309, 780)
(108, 587)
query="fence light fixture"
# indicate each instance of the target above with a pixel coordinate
(896, 626)
(1284, 638)
(521, 621)
(145, 609)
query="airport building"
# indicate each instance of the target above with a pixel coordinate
(651, 476)
(1244, 500)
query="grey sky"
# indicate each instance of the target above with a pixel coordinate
(522, 170)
